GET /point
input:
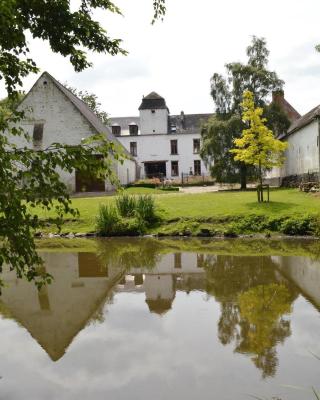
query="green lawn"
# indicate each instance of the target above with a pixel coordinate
(284, 202)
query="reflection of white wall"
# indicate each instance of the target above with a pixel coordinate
(158, 282)
(166, 265)
(304, 272)
(56, 314)
(159, 287)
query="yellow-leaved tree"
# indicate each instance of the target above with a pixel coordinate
(257, 145)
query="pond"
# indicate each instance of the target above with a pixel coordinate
(165, 319)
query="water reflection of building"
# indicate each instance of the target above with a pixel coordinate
(177, 271)
(304, 272)
(82, 286)
(56, 313)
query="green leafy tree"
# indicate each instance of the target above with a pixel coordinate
(257, 145)
(10, 103)
(29, 178)
(220, 131)
(70, 32)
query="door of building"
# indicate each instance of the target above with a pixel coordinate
(155, 169)
(86, 182)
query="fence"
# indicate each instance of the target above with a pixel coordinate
(191, 179)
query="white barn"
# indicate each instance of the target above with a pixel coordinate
(302, 159)
(163, 145)
(54, 114)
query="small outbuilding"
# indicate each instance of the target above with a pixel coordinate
(53, 114)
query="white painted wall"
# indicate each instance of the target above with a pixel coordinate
(63, 123)
(157, 148)
(302, 154)
(154, 123)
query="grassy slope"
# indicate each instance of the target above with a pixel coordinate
(284, 202)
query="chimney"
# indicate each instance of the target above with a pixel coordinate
(280, 101)
(278, 97)
(182, 119)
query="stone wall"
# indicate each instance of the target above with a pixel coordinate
(296, 180)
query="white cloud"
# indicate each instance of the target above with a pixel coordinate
(176, 57)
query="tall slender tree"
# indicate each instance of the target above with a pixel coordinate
(257, 145)
(220, 131)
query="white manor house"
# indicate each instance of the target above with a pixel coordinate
(163, 145)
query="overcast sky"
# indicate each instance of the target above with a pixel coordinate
(177, 57)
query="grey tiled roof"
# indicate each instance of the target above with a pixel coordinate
(305, 119)
(124, 122)
(186, 123)
(153, 101)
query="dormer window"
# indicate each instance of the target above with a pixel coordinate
(116, 130)
(133, 129)
(173, 128)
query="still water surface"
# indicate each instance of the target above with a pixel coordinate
(138, 320)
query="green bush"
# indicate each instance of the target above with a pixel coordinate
(131, 227)
(304, 225)
(146, 209)
(126, 205)
(170, 188)
(250, 223)
(107, 220)
(143, 185)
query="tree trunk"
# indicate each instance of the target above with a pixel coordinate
(260, 180)
(243, 176)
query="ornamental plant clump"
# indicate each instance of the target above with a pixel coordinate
(130, 216)
(257, 145)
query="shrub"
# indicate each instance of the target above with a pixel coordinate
(250, 223)
(146, 209)
(298, 226)
(170, 188)
(126, 205)
(107, 220)
(131, 227)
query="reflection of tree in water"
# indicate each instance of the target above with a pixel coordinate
(263, 326)
(252, 307)
(129, 252)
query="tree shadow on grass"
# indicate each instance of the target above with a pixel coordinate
(272, 206)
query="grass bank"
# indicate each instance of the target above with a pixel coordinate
(208, 214)
(136, 249)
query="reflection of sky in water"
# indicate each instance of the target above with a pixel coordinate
(130, 353)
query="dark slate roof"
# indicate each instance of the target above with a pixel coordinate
(153, 102)
(183, 123)
(89, 115)
(305, 120)
(124, 122)
(188, 123)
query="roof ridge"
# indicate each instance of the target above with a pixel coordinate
(87, 113)
(305, 119)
